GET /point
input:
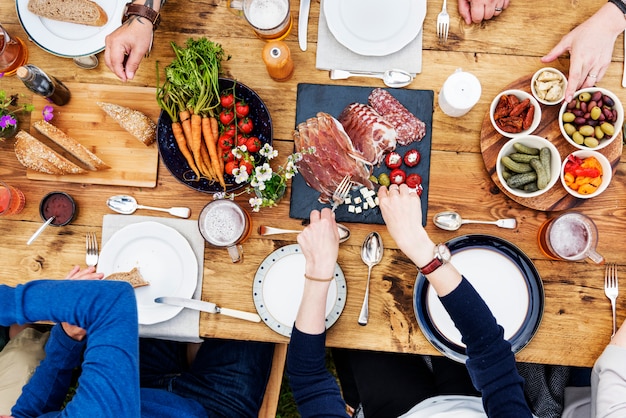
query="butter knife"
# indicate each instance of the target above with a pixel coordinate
(209, 307)
(303, 22)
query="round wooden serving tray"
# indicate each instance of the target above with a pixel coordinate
(557, 197)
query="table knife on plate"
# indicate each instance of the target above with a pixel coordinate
(303, 22)
(209, 307)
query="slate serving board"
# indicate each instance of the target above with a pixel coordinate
(314, 98)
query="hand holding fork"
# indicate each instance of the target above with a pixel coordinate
(341, 192)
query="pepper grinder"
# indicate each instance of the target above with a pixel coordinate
(277, 58)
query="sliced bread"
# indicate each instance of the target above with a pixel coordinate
(133, 277)
(69, 144)
(136, 123)
(85, 12)
(33, 154)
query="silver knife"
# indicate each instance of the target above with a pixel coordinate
(303, 22)
(209, 307)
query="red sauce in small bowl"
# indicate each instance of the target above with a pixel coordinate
(60, 205)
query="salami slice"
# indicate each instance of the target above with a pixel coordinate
(407, 125)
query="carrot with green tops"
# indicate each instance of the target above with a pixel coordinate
(216, 134)
(196, 138)
(179, 136)
(211, 145)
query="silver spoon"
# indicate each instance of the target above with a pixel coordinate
(344, 233)
(451, 221)
(126, 205)
(371, 254)
(392, 78)
(40, 230)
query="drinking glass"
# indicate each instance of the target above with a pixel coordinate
(270, 19)
(12, 200)
(570, 236)
(13, 52)
(225, 224)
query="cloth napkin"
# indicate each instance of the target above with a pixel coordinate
(186, 325)
(332, 55)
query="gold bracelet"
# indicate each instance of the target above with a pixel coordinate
(315, 279)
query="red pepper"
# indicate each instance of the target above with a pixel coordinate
(397, 176)
(412, 158)
(393, 160)
(413, 180)
(587, 172)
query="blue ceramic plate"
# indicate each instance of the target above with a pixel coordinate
(176, 163)
(511, 287)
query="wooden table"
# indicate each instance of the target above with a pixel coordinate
(576, 322)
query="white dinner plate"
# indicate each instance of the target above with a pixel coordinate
(503, 276)
(70, 39)
(164, 258)
(278, 286)
(374, 27)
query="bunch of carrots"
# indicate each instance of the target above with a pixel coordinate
(190, 95)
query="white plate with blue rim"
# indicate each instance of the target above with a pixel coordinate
(278, 286)
(66, 39)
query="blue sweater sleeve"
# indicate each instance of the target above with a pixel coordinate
(109, 381)
(491, 362)
(315, 390)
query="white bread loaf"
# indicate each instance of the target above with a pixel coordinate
(85, 12)
(133, 277)
(39, 157)
(133, 121)
(69, 144)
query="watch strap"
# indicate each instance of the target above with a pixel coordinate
(133, 9)
(434, 264)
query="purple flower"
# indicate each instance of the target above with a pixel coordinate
(7, 121)
(47, 113)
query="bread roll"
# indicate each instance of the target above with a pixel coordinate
(133, 277)
(85, 12)
(133, 121)
(69, 144)
(39, 157)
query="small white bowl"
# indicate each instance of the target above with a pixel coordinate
(562, 84)
(607, 173)
(532, 141)
(617, 126)
(521, 95)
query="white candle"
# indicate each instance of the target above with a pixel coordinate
(459, 93)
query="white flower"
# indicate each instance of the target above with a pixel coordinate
(263, 173)
(219, 195)
(241, 175)
(256, 203)
(268, 152)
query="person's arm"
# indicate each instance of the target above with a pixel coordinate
(491, 363)
(127, 45)
(608, 379)
(590, 46)
(475, 11)
(315, 390)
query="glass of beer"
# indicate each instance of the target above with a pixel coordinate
(570, 236)
(225, 224)
(12, 200)
(270, 19)
(13, 52)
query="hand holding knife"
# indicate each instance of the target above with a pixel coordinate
(303, 22)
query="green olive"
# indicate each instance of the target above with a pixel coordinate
(578, 138)
(599, 133)
(607, 128)
(383, 179)
(568, 117)
(569, 128)
(591, 142)
(586, 130)
(595, 113)
(584, 97)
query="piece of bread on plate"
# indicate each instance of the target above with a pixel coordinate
(133, 277)
(37, 156)
(69, 144)
(85, 12)
(135, 122)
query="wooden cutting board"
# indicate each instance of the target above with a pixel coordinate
(132, 163)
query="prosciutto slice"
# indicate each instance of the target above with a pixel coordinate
(334, 156)
(408, 126)
(371, 135)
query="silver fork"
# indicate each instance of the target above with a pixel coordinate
(443, 23)
(611, 288)
(91, 258)
(341, 192)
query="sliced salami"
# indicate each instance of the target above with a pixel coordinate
(407, 125)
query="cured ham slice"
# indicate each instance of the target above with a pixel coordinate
(334, 156)
(371, 135)
(408, 126)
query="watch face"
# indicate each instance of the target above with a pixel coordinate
(444, 252)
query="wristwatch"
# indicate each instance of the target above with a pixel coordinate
(441, 256)
(141, 10)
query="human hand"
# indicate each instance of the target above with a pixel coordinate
(319, 242)
(590, 46)
(478, 10)
(126, 46)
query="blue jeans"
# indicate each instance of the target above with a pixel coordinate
(228, 378)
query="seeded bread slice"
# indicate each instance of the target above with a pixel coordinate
(85, 12)
(133, 121)
(39, 157)
(69, 144)
(133, 277)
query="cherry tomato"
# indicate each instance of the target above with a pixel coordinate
(230, 130)
(230, 166)
(227, 117)
(245, 125)
(242, 109)
(241, 139)
(393, 160)
(227, 156)
(227, 100)
(413, 180)
(226, 142)
(253, 144)
(247, 165)
(412, 158)
(397, 176)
